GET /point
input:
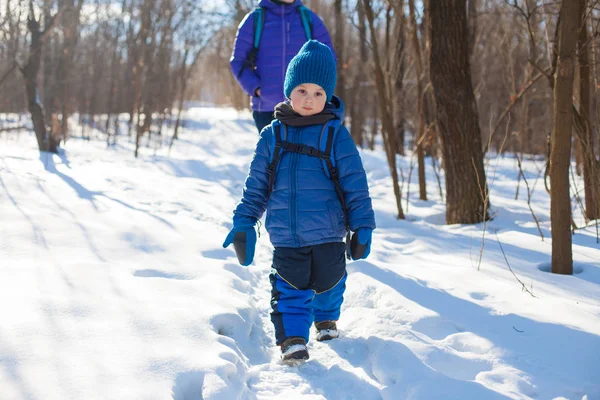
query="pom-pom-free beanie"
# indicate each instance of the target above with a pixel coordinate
(314, 63)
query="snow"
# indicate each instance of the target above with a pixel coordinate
(114, 284)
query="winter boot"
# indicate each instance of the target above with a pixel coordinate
(326, 330)
(294, 351)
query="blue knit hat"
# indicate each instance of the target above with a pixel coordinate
(314, 63)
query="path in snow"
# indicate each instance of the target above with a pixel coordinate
(366, 362)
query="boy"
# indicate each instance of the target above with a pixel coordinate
(308, 175)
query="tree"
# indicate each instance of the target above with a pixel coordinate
(30, 71)
(560, 158)
(590, 165)
(398, 71)
(339, 49)
(388, 132)
(357, 110)
(70, 30)
(456, 111)
(420, 99)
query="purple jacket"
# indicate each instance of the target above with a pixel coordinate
(282, 38)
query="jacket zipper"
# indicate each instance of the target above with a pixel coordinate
(283, 23)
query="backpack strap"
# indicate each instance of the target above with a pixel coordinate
(259, 22)
(275, 156)
(306, 17)
(331, 170)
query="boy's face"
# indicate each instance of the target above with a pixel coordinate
(308, 99)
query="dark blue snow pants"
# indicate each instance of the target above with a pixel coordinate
(262, 119)
(307, 285)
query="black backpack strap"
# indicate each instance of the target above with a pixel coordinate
(333, 174)
(259, 23)
(272, 168)
(304, 149)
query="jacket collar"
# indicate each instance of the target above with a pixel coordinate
(286, 114)
(277, 8)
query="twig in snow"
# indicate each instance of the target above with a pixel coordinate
(537, 223)
(509, 267)
(486, 196)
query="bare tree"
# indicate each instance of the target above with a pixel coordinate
(420, 100)
(112, 86)
(70, 31)
(389, 137)
(30, 72)
(357, 110)
(339, 49)
(456, 109)
(399, 65)
(591, 177)
(560, 159)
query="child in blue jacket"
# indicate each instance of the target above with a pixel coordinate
(307, 174)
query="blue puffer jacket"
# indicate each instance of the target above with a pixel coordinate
(282, 37)
(304, 208)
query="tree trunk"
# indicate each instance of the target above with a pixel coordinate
(374, 121)
(110, 108)
(420, 100)
(457, 117)
(358, 111)
(389, 137)
(339, 49)
(48, 85)
(182, 87)
(30, 73)
(70, 35)
(398, 70)
(560, 156)
(139, 68)
(591, 178)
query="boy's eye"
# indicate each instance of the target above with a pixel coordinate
(319, 94)
(302, 91)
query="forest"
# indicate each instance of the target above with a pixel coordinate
(451, 83)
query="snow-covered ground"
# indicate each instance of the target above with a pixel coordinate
(114, 285)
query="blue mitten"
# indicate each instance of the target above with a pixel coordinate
(243, 237)
(360, 245)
